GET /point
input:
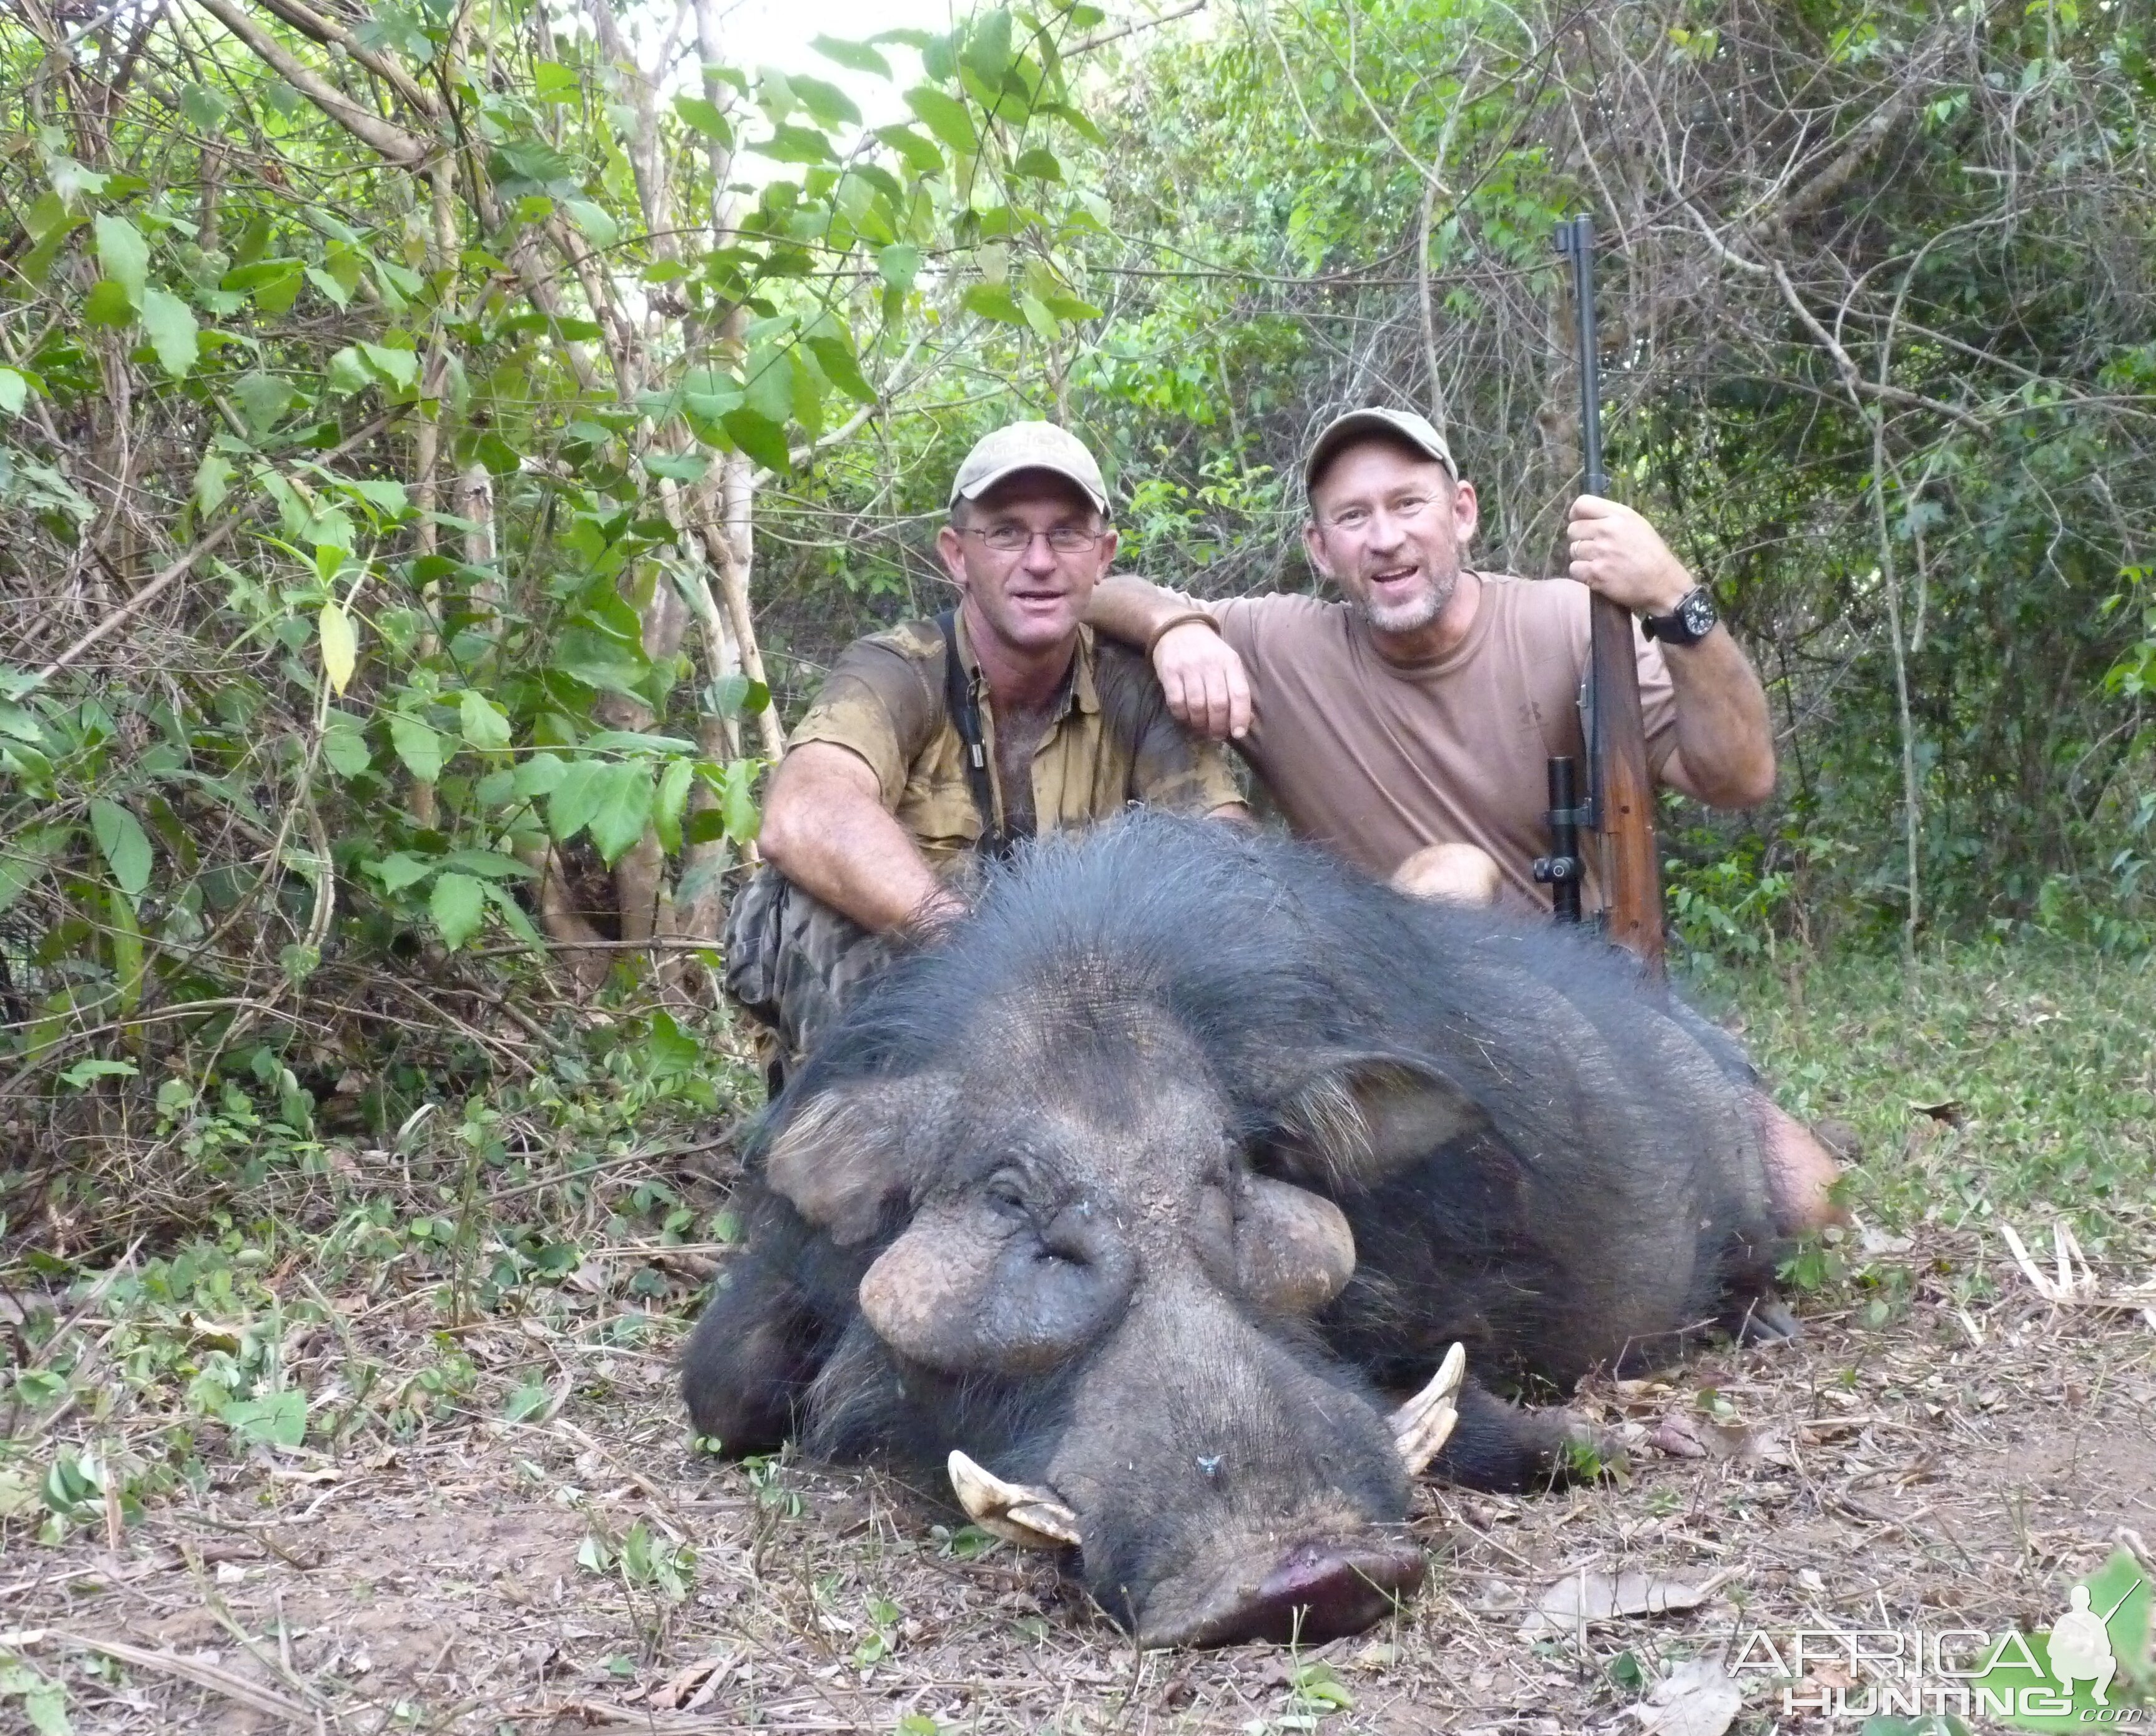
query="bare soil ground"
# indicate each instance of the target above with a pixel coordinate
(1955, 1466)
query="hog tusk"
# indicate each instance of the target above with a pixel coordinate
(1032, 1518)
(1422, 1424)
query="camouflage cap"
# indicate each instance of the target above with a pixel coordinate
(1401, 425)
(1028, 446)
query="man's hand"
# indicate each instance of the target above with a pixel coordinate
(1618, 553)
(1203, 678)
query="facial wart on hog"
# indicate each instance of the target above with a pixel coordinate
(1136, 1204)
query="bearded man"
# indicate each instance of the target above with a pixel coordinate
(1407, 725)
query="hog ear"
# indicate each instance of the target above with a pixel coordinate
(1362, 1117)
(840, 1158)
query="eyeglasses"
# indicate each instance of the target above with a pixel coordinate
(1016, 539)
(1355, 519)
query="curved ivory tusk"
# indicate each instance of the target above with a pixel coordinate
(1422, 1424)
(1032, 1518)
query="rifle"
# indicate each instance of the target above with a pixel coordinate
(1620, 796)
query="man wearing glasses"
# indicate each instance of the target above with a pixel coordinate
(940, 742)
(1409, 726)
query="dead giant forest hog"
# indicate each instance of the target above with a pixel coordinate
(1139, 1189)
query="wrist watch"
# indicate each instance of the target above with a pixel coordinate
(1691, 621)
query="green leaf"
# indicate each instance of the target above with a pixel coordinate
(263, 399)
(170, 325)
(763, 440)
(108, 304)
(1040, 165)
(212, 477)
(416, 745)
(944, 115)
(1037, 315)
(737, 802)
(795, 144)
(992, 301)
(826, 102)
(599, 228)
(858, 56)
(278, 1419)
(123, 254)
(540, 775)
(988, 54)
(842, 367)
(512, 913)
(707, 118)
(400, 870)
(673, 797)
(483, 722)
(458, 905)
(124, 845)
(676, 466)
(621, 808)
(85, 1073)
(336, 292)
(569, 808)
(343, 745)
(899, 264)
(921, 155)
(339, 645)
(487, 865)
(400, 367)
(14, 391)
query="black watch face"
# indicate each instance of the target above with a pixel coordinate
(1698, 613)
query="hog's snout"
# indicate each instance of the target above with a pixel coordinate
(1316, 1591)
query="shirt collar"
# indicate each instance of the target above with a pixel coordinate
(1079, 691)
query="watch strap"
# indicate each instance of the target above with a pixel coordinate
(1676, 628)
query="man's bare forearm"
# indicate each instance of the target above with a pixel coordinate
(1725, 751)
(826, 830)
(1130, 611)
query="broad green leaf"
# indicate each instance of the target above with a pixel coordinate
(540, 775)
(487, 864)
(512, 913)
(555, 82)
(826, 102)
(23, 859)
(921, 154)
(677, 466)
(770, 385)
(416, 745)
(989, 47)
(1040, 165)
(85, 1073)
(14, 391)
(263, 399)
(400, 870)
(599, 228)
(329, 285)
(277, 1419)
(842, 367)
(385, 494)
(458, 905)
(992, 301)
(125, 845)
(347, 372)
(340, 645)
(44, 1703)
(123, 254)
(108, 304)
(212, 477)
(706, 117)
(343, 745)
(621, 808)
(484, 724)
(170, 325)
(1036, 315)
(944, 115)
(795, 144)
(400, 367)
(858, 56)
(737, 802)
(763, 440)
(899, 264)
(569, 808)
(673, 797)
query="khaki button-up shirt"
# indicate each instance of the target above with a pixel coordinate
(1111, 740)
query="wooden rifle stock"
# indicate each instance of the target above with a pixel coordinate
(1620, 802)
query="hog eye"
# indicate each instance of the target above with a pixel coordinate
(1006, 1189)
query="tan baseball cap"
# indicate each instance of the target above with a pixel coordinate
(1028, 446)
(1417, 431)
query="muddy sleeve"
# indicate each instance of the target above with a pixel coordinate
(877, 703)
(1171, 768)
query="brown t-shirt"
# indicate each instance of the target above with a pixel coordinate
(1111, 742)
(1376, 761)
